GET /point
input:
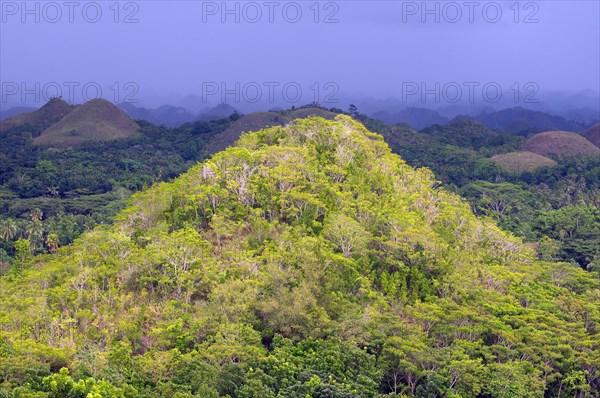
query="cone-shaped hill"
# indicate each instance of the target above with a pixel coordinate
(50, 113)
(96, 120)
(521, 162)
(560, 144)
(306, 260)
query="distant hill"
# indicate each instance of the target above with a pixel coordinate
(42, 118)
(96, 120)
(220, 111)
(418, 118)
(172, 116)
(17, 110)
(521, 121)
(560, 144)
(137, 113)
(405, 140)
(520, 162)
(469, 133)
(260, 120)
(168, 115)
(306, 112)
(593, 134)
(583, 115)
(252, 122)
(516, 121)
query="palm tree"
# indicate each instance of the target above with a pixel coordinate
(8, 229)
(52, 242)
(36, 215)
(35, 233)
(52, 191)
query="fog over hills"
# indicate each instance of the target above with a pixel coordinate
(520, 120)
(168, 115)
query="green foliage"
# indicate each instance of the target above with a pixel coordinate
(513, 379)
(346, 233)
(577, 228)
(306, 261)
(22, 254)
(459, 154)
(78, 188)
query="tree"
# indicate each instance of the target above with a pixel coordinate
(498, 199)
(346, 233)
(62, 385)
(402, 361)
(8, 229)
(180, 251)
(222, 227)
(548, 248)
(36, 215)
(22, 252)
(576, 228)
(365, 282)
(352, 110)
(52, 242)
(35, 233)
(513, 379)
(52, 191)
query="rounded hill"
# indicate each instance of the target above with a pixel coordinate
(96, 120)
(560, 144)
(48, 114)
(520, 162)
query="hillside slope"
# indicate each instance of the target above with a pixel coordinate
(520, 162)
(306, 261)
(560, 144)
(96, 120)
(50, 113)
(418, 118)
(593, 134)
(469, 133)
(523, 121)
(7, 113)
(259, 120)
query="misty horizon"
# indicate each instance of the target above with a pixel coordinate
(263, 55)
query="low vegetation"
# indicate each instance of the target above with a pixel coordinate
(521, 162)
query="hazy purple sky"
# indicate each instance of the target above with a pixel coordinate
(371, 48)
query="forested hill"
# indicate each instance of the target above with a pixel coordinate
(305, 261)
